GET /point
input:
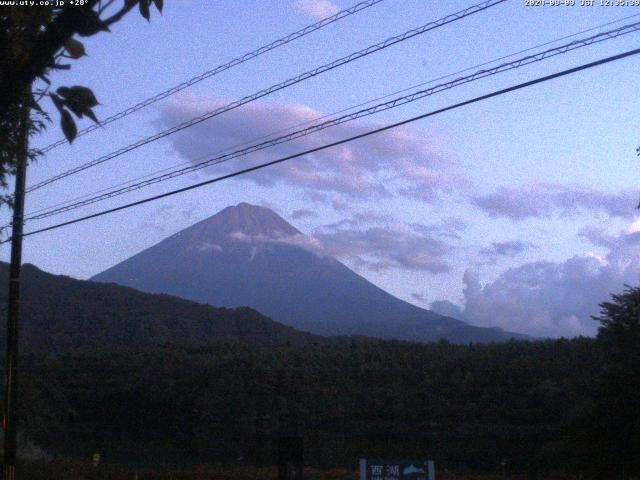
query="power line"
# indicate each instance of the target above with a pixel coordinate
(321, 117)
(274, 88)
(527, 60)
(340, 142)
(221, 68)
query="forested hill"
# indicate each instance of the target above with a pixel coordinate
(468, 407)
(60, 313)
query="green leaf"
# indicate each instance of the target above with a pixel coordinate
(144, 9)
(74, 48)
(159, 4)
(68, 126)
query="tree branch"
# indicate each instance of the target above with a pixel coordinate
(121, 13)
(54, 37)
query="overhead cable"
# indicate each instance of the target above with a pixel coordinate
(322, 117)
(394, 103)
(219, 69)
(339, 142)
(274, 88)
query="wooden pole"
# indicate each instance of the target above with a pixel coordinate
(13, 307)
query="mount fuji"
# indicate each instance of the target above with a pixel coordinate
(249, 256)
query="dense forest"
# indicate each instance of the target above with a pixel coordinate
(519, 406)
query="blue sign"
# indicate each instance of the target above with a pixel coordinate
(396, 470)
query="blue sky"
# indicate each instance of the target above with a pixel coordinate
(517, 212)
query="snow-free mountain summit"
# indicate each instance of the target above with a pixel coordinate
(247, 255)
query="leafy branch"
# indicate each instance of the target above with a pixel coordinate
(41, 40)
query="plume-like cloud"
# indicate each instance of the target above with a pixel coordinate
(401, 162)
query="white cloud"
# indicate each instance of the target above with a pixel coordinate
(554, 299)
(316, 8)
(401, 162)
(240, 236)
(208, 247)
(370, 243)
(634, 227)
(298, 240)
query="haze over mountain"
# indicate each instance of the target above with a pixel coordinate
(249, 256)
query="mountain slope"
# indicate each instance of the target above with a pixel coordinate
(248, 255)
(60, 313)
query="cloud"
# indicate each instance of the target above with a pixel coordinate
(316, 8)
(303, 241)
(298, 240)
(153, 227)
(554, 299)
(418, 297)
(208, 247)
(509, 248)
(401, 162)
(396, 246)
(369, 242)
(156, 220)
(634, 227)
(303, 213)
(448, 309)
(545, 200)
(598, 236)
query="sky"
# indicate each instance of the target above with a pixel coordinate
(517, 212)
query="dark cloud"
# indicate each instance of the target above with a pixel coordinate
(547, 199)
(597, 236)
(449, 228)
(396, 162)
(418, 297)
(303, 213)
(508, 248)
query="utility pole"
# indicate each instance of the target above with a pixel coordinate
(13, 307)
